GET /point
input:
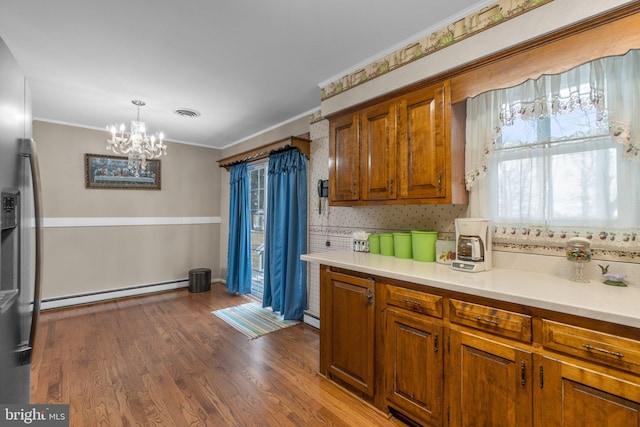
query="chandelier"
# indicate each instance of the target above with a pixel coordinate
(136, 145)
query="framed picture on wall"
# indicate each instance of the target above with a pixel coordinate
(102, 171)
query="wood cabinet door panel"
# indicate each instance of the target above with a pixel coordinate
(423, 143)
(572, 396)
(344, 158)
(352, 331)
(378, 152)
(414, 380)
(490, 383)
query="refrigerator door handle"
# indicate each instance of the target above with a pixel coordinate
(30, 151)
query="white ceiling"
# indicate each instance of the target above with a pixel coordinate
(246, 65)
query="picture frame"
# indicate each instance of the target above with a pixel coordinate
(114, 172)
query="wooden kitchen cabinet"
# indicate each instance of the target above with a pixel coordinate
(347, 330)
(344, 159)
(424, 155)
(490, 383)
(378, 152)
(604, 390)
(414, 366)
(574, 396)
(442, 358)
(408, 150)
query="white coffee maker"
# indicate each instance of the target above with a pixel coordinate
(473, 244)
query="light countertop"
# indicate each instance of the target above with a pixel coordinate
(546, 291)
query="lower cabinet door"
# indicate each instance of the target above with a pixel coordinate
(414, 381)
(351, 327)
(490, 383)
(572, 396)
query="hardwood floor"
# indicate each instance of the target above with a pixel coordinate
(165, 360)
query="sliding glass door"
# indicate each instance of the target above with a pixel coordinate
(258, 183)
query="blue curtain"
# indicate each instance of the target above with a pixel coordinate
(239, 253)
(285, 275)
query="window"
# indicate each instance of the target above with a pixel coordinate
(559, 153)
(258, 206)
(544, 176)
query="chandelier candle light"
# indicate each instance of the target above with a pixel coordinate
(137, 145)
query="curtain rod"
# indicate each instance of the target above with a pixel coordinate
(302, 144)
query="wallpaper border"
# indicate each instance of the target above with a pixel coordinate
(485, 18)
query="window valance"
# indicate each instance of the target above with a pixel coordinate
(607, 87)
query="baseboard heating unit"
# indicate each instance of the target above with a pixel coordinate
(88, 298)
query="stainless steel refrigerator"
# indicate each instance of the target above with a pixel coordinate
(21, 242)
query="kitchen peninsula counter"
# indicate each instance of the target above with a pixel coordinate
(593, 300)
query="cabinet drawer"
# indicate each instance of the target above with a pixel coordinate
(490, 319)
(617, 352)
(419, 302)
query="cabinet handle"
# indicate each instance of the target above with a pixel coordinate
(439, 182)
(523, 373)
(602, 350)
(435, 343)
(353, 187)
(391, 186)
(541, 377)
(369, 297)
(408, 301)
(486, 320)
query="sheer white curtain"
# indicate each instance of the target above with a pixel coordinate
(560, 151)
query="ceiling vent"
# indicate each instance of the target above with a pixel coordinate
(187, 112)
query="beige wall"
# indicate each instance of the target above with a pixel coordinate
(86, 259)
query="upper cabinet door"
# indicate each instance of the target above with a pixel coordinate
(378, 152)
(423, 143)
(344, 159)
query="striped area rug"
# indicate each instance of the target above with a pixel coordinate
(253, 320)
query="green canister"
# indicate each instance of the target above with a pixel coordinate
(386, 244)
(374, 243)
(424, 245)
(402, 245)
